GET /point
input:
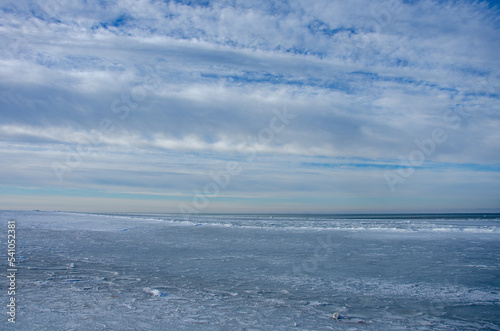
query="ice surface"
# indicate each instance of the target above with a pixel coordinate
(253, 272)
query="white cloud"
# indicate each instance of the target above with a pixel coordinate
(364, 80)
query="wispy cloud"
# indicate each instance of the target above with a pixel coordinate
(153, 96)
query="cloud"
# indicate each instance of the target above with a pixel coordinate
(132, 83)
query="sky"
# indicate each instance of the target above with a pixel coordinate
(253, 106)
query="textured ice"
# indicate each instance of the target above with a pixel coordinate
(252, 272)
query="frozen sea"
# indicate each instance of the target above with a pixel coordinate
(254, 272)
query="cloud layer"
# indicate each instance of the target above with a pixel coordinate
(321, 104)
